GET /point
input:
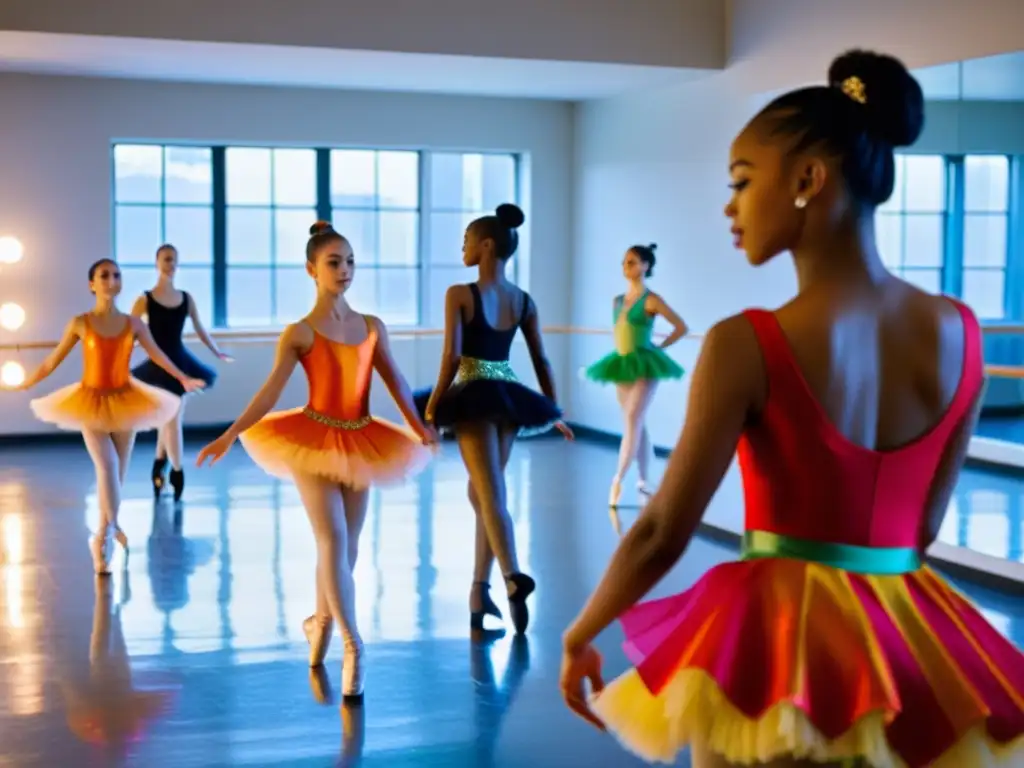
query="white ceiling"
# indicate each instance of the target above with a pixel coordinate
(134, 58)
(995, 78)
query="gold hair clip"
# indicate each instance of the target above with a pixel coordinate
(854, 88)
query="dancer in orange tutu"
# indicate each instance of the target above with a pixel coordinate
(332, 448)
(851, 407)
(108, 406)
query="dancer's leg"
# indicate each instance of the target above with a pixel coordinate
(124, 443)
(172, 438)
(483, 556)
(479, 443)
(356, 504)
(103, 453)
(637, 400)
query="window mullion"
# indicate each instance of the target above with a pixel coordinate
(425, 314)
(220, 238)
(953, 240)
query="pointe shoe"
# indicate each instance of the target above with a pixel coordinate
(643, 489)
(159, 465)
(177, 483)
(520, 587)
(353, 672)
(121, 538)
(100, 548)
(615, 493)
(486, 605)
(318, 630)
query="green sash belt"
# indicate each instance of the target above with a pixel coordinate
(847, 557)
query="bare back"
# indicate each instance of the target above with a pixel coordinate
(501, 304)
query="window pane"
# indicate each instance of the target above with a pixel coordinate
(360, 228)
(985, 240)
(135, 281)
(984, 292)
(295, 177)
(295, 294)
(923, 244)
(248, 297)
(926, 279)
(986, 183)
(198, 281)
(447, 182)
(189, 175)
(895, 201)
(398, 292)
(190, 230)
(138, 173)
(353, 178)
(399, 237)
(362, 292)
(248, 176)
(889, 235)
(440, 279)
(137, 234)
(447, 233)
(499, 181)
(249, 236)
(291, 233)
(925, 187)
(398, 179)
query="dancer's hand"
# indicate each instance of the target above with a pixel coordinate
(224, 357)
(430, 435)
(578, 665)
(215, 451)
(192, 385)
(566, 430)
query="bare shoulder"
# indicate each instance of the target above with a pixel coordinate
(734, 336)
(136, 323)
(376, 324)
(731, 356)
(298, 336)
(77, 324)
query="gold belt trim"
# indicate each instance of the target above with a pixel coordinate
(330, 421)
(473, 369)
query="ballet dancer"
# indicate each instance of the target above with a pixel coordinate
(332, 449)
(487, 407)
(166, 309)
(107, 406)
(637, 365)
(830, 642)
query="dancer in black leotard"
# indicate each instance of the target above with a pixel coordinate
(487, 407)
(167, 309)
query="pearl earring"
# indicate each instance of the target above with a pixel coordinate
(801, 202)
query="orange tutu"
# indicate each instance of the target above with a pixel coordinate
(133, 407)
(377, 452)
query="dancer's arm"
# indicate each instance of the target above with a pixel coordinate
(728, 383)
(384, 363)
(657, 306)
(535, 343)
(202, 333)
(451, 352)
(139, 308)
(145, 338)
(72, 332)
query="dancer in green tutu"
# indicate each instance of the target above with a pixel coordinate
(637, 364)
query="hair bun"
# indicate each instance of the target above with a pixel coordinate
(510, 215)
(320, 228)
(652, 247)
(892, 97)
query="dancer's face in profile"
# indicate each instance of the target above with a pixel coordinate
(473, 247)
(633, 267)
(167, 262)
(334, 267)
(765, 184)
(106, 280)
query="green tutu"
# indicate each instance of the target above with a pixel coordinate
(643, 363)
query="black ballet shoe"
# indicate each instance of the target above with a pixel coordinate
(159, 465)
(178, 483)
(487, 606)
(520, 587)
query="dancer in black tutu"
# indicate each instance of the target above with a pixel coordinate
(167, 309)
(487, 407)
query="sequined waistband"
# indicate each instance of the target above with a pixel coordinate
(330, 421)
(472, 369)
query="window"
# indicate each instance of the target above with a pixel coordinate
(240, 217)
(910, 225)
(985, 228)
(463, 187)
(164, 194)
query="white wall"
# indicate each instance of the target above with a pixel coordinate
(57, 179)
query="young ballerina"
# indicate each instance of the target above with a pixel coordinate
(637, 365)
(108, 406)
(166, 309)
(829, 643)
(332, 448)
(486, 406)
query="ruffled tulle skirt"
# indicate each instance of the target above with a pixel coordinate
(493, 400)
(642, 364)
(152, 374)
(376, 452)
(772, 658)
(133, 407)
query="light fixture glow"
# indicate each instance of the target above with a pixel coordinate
(11, 250)
(12, 316)
(12, 374)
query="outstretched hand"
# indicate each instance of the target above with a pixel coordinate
(216, 450)
(578, 666)
(566, 430)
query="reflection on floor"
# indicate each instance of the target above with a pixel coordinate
(195, 655)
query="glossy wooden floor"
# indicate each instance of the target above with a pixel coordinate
(195, 655)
